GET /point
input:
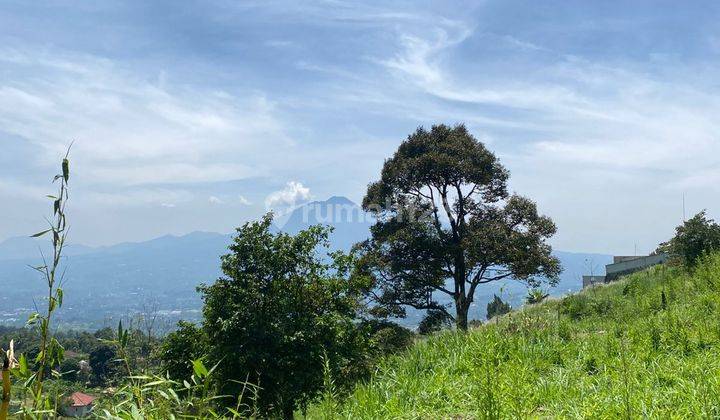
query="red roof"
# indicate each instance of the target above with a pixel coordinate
(81, 400)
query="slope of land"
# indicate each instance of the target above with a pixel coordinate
(646, 346)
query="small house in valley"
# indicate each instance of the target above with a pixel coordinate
(79, 405)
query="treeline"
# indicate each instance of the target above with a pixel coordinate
(90, 358)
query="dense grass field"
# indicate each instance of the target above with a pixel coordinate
(646, 346)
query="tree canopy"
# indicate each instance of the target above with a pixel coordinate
(180, 348)
(693, 239)
(278, 312)
(447, 224)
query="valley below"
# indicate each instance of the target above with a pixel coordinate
(159, 277)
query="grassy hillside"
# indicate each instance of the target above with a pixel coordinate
(620, 350)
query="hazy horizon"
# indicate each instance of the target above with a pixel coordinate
(202, 115)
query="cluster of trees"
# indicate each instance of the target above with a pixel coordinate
(288, 317)
(286, 311)
(90, 358)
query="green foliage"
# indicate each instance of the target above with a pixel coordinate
(444, 215)
(387, 337)
(536, 295)
(693, 239)
(497, 307)
(576, 306)
(180, 348)
(608, 352)
(279, 308)
(122, 345)
(434, 321)
(157, 397)
(49, 353)
(69, 369)
(103, 360)
(580, 306)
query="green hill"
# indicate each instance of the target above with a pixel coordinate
(645, 346)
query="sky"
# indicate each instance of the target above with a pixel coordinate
(202, 115)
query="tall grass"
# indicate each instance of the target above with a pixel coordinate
(646, 346)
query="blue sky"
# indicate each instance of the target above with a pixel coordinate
(200, 115)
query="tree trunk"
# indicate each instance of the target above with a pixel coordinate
(288, 412)
(462, 302)
(461, 317)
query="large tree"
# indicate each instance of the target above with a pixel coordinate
(280, 310)
(445, 223)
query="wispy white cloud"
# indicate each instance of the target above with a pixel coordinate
(614, 108)
(575, 110)
(422, 61)
(420, 56)
(215, 200)
(128, 130)
(132, 198)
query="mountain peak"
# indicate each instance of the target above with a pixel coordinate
(337, 199)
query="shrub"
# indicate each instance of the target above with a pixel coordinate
(103, 362)
(536, 295)
(180, 348)
(388, 337)
(602, 306)
(69, 369)
(434, 321)
(497, 307)
(576, 306)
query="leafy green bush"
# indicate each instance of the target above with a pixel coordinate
(104, 364)
(434, 321)
(180, 347)
(536, 295)
(576, 306)
(579, 306)
(387, 338)
(497, 307)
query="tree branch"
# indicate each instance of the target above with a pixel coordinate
(448, 211)
(490, 279)
(438, 228)
(444, 290)
(472, 191)
(461, 209)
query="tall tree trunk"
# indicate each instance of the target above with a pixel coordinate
(462, 301)
(461, 317)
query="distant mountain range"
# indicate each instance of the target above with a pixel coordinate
(103, 284)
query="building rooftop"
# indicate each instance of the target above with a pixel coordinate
(81, 400)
